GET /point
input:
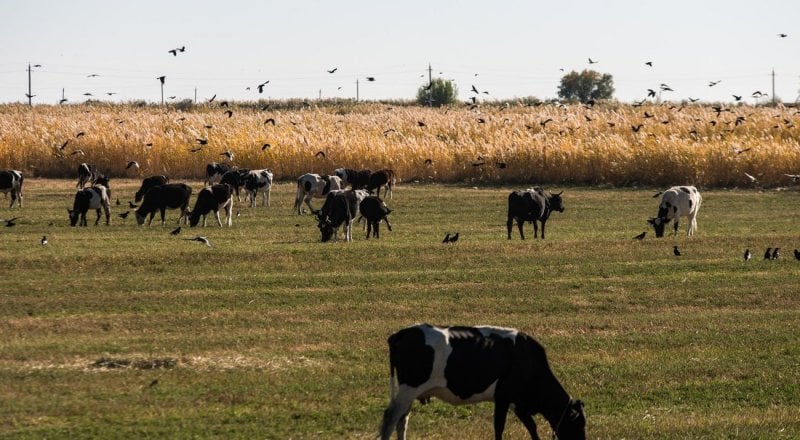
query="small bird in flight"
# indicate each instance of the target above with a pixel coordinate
(370, 78)
(649, 63)
(752, 178)
(270, 121)
(11, 222)
(783, 35)
(200, 239)
(592, 61)
(333, 70)
(133, 164)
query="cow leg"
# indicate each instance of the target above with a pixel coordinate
(150, 220)
(377, 229)
(543, 222)
(97, 220)
(266, 197)
(500, 411)
(229, 214)
(527, 420)
(369, 228)
(676, 226)
(83, 219)
(216, 214)
(308, 202)
(388, 225)
(13, 198)
(164, 216)
(402, 426)
(510, 225)
(396, 412)
(107, 211)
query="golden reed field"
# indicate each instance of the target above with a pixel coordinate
(676, 144)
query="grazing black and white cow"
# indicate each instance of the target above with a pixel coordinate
(235, 178)
(213, 198)
(532, 205)
(314, 186)
(373, 209)
(340, 209)
(463, 365)
(677, 202)
(214, 172)
(87, 174)
(382, 178)
(11, 181)
(149, 183)
(95, 197)
(355, 178)
(256, 181)
(163, 197)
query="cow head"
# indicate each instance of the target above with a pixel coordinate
(658, 223)
(73, 217)
(573, 422)
(139, 217)
(326, 228)
(556, 203)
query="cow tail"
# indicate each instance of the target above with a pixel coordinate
(393, 382)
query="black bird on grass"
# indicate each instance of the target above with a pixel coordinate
(768, 254)
(124, 215)
(446, 238)
(11, 222)
(640, 237)
(117, 201)
(676, 251)
(176, 231)
(132, 205)
(454, 238)
(796, 254)
(747, 255)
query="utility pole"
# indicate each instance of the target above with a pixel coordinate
(356, 90)
(30, 96)
(773, 86)
(320, 95)
(430, 87)
(195, 95)
(63, 97)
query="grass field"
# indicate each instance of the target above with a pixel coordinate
(271, 334)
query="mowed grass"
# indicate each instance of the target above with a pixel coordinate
(276, 335)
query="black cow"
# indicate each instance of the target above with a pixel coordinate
(87, 174)
(159, 198)
(213, 198)
(532, 205)
(339, 209)
(214, 172)
(373, 209)
(356, 179)
(95, 197)
(149, 183)
(462, 365)
(380, 178)
(11, 181)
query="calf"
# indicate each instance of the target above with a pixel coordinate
(356, 179)
(159, 198)
(339, 209)
(213, 198)
(214, 172)
(149, 183)
(532, 205)
(677, 202)
(382, 178)
(462, 365)
(235, 178)
(255, 181)
(87, 174)
(373, 209)
(94, 197)
(314, 186)
(11, 181)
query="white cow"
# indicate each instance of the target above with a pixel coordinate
(677, 202)
(256, 181)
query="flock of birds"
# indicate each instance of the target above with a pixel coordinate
(769, 254)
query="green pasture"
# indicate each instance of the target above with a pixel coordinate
(128, 332)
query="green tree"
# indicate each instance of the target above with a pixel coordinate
(439, 92)
(586, 85)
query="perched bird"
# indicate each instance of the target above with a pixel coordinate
(747, 255)
(333, 70)
(44, 241)
(11, 222)
(768, 254)
(176, 231)
(640, 237)
(124, 215)
(132, 205)
(200, 239)
(775, 254)
(133, 164)
(676, 251)
(117, 201)
(446, 238)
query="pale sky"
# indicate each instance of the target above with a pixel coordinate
(516, 48)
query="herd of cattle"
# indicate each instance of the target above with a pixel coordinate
(341, 206)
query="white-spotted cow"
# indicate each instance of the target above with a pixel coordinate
(213, 198)
(87, 174)
(463, 365)
(95, 197)
(677, 202)
(11, 181)
(214, 172)
(256, 181)
(160, 198)
(314, 186)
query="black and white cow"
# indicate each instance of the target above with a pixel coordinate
(163, 197)
(95, 197)
(235, 178)
(213, 198)
(677, 202)
(11, 181)
(256, 181)
(314, 186)
(373, 209)
(214, 172)
(149, 183)
(356, 179)
(463, 365)
(532, 205)
(381, 178)
(87, 174)
(339, 210)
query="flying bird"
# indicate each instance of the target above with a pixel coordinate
(636, 128)
(162, 79)
(421, 124)
(229, 113)
(93, 75)
(176, 231)
(794, 177)
(270, 121)
(713, 83)
(428, 162)
(640, 237)
(11, 222)
(227, 153)
(370, 78)
(747, 255)
(693, 99)
(752, 178)
(320, 154)
(474, 90)
(333, 70)
(649, 63)
(592, 61)
(132, 163)
(201, 239)
(265, 146)
(783, 35)
(676, 251)
(737, 97)
(651, 93)
(202, 141)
